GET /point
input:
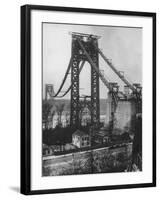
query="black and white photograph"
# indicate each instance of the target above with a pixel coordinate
(91, 99)
(88, 99)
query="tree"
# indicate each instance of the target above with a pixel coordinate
(59, 110)
(67, 118)
(47, 113)
(137, 144)
(77, 166)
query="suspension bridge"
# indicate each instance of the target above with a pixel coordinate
(85, 49)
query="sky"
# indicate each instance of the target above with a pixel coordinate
(123, 45)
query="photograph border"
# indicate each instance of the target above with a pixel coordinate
(26, 97)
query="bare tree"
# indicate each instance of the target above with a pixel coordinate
(67, 118)
(59, 110)
(47, 113)
(84, 116)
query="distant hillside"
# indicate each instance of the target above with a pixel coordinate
(67, 104)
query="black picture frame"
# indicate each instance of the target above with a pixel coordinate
(26, 97)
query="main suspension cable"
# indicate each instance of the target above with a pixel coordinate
(64, 79)
(69, 88)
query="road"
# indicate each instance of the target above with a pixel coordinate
(66, 159)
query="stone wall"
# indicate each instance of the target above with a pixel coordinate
(104, 160)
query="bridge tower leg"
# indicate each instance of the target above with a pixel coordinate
(77, 56)
(95, 107)
(75, 86)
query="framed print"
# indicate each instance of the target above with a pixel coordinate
(88, 99)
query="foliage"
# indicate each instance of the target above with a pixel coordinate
(137, 144)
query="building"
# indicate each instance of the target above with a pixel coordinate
(81, 139)
(102, 136)
(47, 151)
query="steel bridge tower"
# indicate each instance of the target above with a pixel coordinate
(90, 43)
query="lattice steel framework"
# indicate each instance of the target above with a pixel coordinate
(90, 44)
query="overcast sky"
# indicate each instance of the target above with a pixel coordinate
(122, 45)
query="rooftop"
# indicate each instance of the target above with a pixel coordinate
(79, 133)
